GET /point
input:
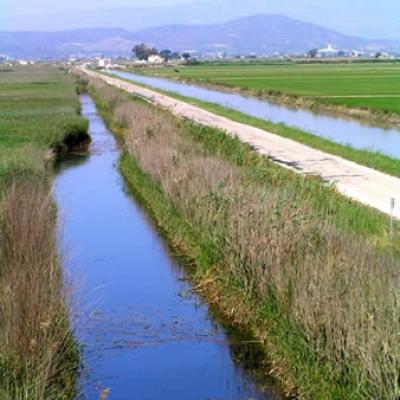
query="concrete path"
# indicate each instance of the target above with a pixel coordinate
(363, 184)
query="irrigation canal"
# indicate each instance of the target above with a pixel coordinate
(145, 334)
(340, 130)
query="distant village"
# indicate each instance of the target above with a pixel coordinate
(143, 55)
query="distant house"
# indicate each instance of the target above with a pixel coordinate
(329, 51)
(155, 59)
(382, 54)
(104, 62)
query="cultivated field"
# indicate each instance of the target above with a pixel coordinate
(374, 85)
(39, 117)
(38, 109)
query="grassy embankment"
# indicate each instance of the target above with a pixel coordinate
(310, 273)
(370, 159)
(39, 118)
(368, 91)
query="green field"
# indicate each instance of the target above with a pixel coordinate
(39, 108)
(374, 85)
(39, 119)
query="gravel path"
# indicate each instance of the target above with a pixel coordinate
(360, 183)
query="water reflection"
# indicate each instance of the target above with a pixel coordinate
(142, 338)
(340, 130)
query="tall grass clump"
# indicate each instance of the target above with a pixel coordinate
(38, 358)
(304, 265)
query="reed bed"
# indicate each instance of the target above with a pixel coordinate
(39, 120)
(38, 356)
(290, 243)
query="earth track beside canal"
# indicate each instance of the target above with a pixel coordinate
(366, 185)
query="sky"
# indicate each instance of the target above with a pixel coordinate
(364, 18)
(29, 7)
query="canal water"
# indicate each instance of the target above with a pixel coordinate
(340, 130)
(145, 335)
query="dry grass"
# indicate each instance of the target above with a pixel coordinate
(338, 288)
(37, 352)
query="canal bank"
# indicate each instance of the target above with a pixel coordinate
(254, 254)
(146, 334)
(357, 134)
(366, 185)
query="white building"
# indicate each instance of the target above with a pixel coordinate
(329, 51)
(103, 62)
(155, 59)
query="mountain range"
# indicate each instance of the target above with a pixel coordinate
(259, 34)
(362, 18)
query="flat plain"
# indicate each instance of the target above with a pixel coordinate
(39, 108)
(363, 85)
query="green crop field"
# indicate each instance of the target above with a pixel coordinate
(39, 119)
(375, 85)
(39, 107)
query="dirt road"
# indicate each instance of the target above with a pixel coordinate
(363, 184)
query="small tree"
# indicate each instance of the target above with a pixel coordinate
(166, 54)
(186, 56)
(143, 52)
(175, 55)
(312, 53)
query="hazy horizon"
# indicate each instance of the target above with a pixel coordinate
(363, 18)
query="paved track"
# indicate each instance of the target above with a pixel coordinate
(363, 184)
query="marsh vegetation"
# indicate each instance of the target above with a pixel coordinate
(312, 274)
(39, 119)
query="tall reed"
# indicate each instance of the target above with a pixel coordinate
(38, 356)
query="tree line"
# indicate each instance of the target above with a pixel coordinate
(143, 52)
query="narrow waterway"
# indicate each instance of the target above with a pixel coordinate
(340, 130)
(145, 335)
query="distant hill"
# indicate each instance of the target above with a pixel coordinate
(370, 19)
(260, 34)
(63, 43)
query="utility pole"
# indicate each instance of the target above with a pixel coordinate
(392, 204)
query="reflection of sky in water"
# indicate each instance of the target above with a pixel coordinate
(145, 337)
(340, 130)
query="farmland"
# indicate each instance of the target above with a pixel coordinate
(361, 85)
(273, 251)
(39, 118)
(39, 109)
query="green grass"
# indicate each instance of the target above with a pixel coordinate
(39, 120)
(367, 158)
(317, 375)
(346, 213)
(314, 81)
(286, 342)
(39, 109)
